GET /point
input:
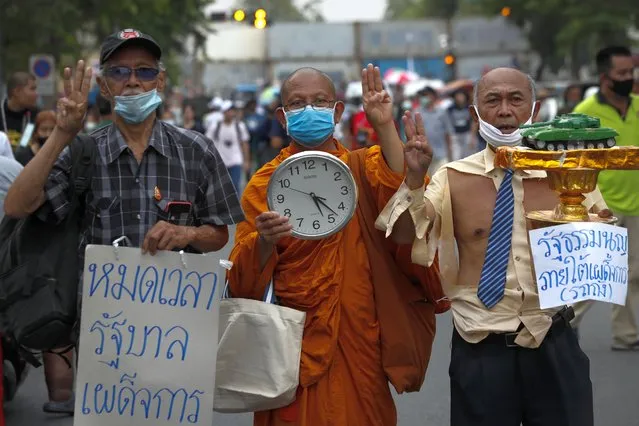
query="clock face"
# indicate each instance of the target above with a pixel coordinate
(316, 191)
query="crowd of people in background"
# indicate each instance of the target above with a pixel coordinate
(247, 133)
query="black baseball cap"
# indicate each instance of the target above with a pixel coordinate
(128, 37)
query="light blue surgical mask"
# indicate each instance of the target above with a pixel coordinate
(310, 126)
(135, 109)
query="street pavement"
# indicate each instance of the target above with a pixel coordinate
(615, 378)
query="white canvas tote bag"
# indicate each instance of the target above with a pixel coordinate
(258, 358)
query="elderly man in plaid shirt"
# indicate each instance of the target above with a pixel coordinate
(144, 167)
(162, 187)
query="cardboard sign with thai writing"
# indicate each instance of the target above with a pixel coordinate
(148, 339)
(580, 261)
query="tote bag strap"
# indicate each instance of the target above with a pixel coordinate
(269, 293)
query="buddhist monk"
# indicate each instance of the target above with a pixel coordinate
(342, 377)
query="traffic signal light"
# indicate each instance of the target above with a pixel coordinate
(260, 19)
(239, 15)
(505, 11)
(451, 66)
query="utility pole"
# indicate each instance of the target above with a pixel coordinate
(452, 66)
(2, 85)
(451, 11)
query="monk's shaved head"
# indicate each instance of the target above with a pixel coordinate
(309, 86)
(500, 74)
(303, 77)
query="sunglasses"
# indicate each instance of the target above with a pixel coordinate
(124, 73)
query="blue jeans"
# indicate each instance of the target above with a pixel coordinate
(236, 176)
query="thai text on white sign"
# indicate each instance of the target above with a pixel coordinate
(580, 261)
(148, 340)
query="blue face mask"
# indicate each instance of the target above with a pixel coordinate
(310, 126)
(135, 109)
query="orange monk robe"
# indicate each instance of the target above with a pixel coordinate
(342, 382)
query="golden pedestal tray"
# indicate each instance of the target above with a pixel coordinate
(571, 173)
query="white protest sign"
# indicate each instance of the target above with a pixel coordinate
(148, 340)
(580, 261)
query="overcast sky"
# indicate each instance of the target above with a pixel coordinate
(335, 10)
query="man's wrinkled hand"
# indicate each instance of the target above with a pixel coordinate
(167, 236)
(418, 154)
(605, 214)
(72, 108)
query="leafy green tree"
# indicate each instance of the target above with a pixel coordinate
(557, 30)
(72, 28)
(568, 29)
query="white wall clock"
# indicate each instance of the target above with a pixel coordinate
(316, 191)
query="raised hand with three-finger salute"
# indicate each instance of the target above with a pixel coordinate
(26, 194)
(378, 106)
(72, 108)
(418, 154)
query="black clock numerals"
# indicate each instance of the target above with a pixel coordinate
(284, 183)
(333, 191)
(295, 170)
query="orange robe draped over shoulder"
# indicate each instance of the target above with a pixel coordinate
(342, 382)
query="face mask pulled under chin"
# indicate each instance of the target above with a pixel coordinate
(494, 137)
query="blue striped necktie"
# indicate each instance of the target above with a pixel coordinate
(493, 274)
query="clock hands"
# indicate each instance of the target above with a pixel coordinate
(322, 201)
(301, 192)
(317, 200)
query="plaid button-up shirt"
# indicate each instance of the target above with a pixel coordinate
(127, 198)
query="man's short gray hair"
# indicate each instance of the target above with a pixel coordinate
(531, 82)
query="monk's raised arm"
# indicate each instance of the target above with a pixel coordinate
(379, 112)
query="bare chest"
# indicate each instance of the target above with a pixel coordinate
(473, 200)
